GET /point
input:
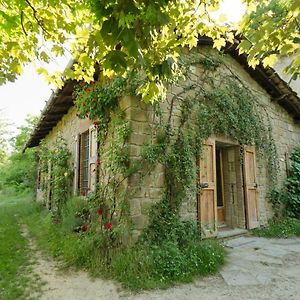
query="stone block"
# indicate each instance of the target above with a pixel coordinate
(155, 193)
(159, 180)
(139, 221)
(138, 115)
(134, 179)
(135, 207)
(127, 102)
(137, 139)
(146, 205)
(134, 150)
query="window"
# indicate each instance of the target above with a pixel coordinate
(84, 150)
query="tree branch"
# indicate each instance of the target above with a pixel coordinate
(22, 14)
(36, 18)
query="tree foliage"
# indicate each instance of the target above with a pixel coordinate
(3, 139)
(19, 171)
(125, 35)
(272, 28)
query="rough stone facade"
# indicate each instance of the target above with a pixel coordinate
(69, 127)
(285, 132)
(286, 135)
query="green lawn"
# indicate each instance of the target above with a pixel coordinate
(17, 280)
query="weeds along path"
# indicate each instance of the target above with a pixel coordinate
(17, 281)
(70, 284)
(257, 268)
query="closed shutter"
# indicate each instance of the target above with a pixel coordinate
(76, 165)
(93, 159)
(84, 163)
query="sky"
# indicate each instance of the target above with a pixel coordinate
(28, 94)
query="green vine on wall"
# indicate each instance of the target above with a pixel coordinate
(210, 103)
(213, 101)
(56, 174)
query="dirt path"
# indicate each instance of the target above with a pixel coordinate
(257, 268)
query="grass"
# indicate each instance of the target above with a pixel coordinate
(136, 268)
(16, 278)
(166, 265)
(284, 228)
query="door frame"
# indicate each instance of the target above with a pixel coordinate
(246, 198)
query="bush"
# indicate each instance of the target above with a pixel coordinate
(292, 202)
(142, 266)
(162, 266)
(280, 229)
(286, 201)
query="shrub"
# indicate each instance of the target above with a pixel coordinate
(280, 229)
(161, 266)
(292, 200)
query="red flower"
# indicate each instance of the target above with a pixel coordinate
(80, 96)
(94, 100)
(108, 226)
(82, 193)
(99, 211)
(85, 227)
(88, 90)
(98, 161)
(92, 82)
(95, 124)
(83, 104)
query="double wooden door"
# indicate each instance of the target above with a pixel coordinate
(207, 193)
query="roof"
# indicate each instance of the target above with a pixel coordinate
(57, 106)
(61, 101)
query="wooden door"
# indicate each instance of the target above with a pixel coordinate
(250, 187)
(207, 198)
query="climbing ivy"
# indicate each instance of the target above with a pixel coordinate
(211, 100)
(209, 104)
(56, 175)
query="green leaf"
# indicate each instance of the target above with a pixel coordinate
(270, 60)
(115, 60)
(44, 57)
(219, 43)
(244, 46)
(57, 50)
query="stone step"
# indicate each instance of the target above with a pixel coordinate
(231, 233)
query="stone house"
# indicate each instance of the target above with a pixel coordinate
(229, 193)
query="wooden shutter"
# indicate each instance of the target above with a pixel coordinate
(76, 165)
(93, 158)
(49, 187)
(250, 187)
(84, 162)
(207, 198)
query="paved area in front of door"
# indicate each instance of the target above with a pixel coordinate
(256, 261)
(256, 268)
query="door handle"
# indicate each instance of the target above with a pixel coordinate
(203, 185)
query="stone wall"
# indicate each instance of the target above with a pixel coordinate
(285, 132)
(69, 127)
(146, 189)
